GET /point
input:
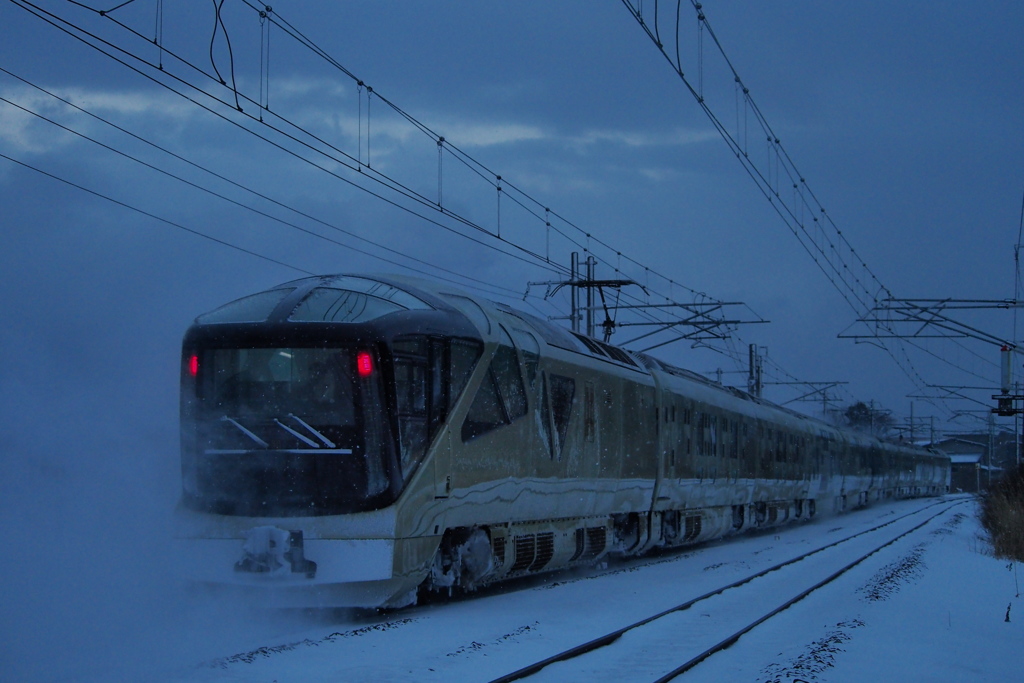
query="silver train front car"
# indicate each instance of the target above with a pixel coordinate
(354, 441)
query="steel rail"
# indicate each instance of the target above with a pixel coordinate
(718, 647)
(609, 638)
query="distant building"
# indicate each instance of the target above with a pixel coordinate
(965, 473)
(970, 468)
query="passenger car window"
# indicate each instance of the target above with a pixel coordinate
(411, 392)
(530, 347)
(465, 354)
(487, 411)
(249, 309)
(589, 412)
(563, 389)
(501, 398)
(327, 304)
(505, 367)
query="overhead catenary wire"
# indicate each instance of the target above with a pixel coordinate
(850, 289)
(468, 161)
(480, 285)
(821, 238)
(73, 30)
(484, 172)
(465, 158)
(476, 166)
(154, 216)
(317, 145)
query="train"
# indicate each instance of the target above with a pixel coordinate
(363, 441)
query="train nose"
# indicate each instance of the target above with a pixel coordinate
(272, 551)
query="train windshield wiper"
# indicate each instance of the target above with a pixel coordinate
(245, 431)
(327, 442)
(309, 442)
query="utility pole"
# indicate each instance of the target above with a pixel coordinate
(755, 380)
(590, 263)
(574, 294)
(578, 281)
(991, 445)
(702, 317)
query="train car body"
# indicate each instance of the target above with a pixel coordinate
(351, 440)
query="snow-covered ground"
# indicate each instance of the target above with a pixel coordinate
(931, 606)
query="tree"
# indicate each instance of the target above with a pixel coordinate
(866, 418)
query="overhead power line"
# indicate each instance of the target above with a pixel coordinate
(457, 278)
(155, 217)
(186, 79)
(162, 74)
(744, 128)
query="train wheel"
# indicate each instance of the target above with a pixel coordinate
(463, 559)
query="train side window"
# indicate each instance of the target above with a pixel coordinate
(699, 421)
(713, 449)
(487, 411)
(501, 397)
(563, 389)
(470, 309)
(412, 389)
(589, 412)
(505, 367)
(545, 417)
(464, 355)
(411, 392)
(530, 347)
(439, 403)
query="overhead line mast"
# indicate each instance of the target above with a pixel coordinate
(706, 326)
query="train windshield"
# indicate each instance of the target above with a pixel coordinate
(287, 431)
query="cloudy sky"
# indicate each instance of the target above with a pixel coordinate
(904, 122)
(134, 198)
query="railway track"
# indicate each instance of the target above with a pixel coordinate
(678, 639)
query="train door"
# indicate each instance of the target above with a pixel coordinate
(443, 467)
(591, 443)
(685, 445)
(670, 437)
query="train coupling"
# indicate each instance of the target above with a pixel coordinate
(274, 552)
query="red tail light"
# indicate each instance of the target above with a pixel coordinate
(364, 364)
(193, 365)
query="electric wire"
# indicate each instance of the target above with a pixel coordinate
(484, 172)
(60, 23)
(155, 217)
(522, 199)
(480, 285)
(461, 155)
(468, 161)
(856, 282)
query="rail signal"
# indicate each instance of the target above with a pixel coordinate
(1005, 401)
